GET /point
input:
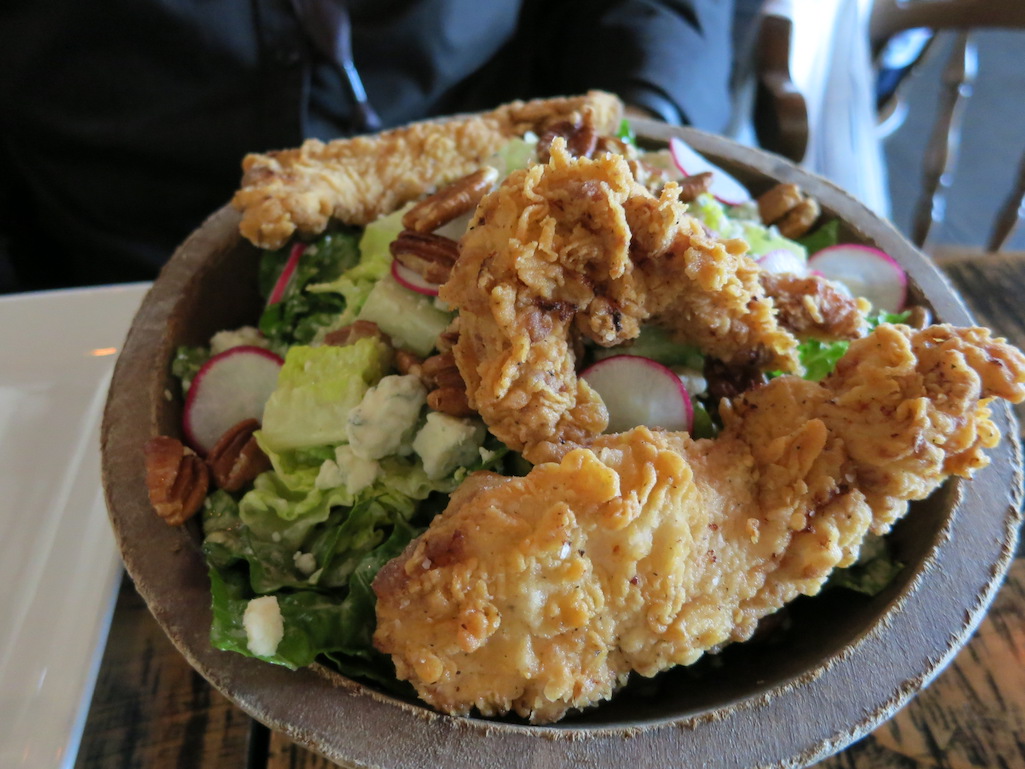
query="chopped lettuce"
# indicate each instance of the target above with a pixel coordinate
(317, 387)
(820, 358)
(302, 312)
(874, 570)
(187, 362)
(338, 623)
(626, 132)
(825, 236)
(759, 238)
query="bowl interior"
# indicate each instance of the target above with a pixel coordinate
(922, 616)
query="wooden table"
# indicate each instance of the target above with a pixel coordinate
(151, 710)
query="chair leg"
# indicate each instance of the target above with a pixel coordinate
(942, 150)
(1011, 213)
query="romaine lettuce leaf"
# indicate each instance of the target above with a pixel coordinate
(317, 387)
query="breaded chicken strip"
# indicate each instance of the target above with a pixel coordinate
(355, 181)
(815, 308)
(645, 550)
(577, 247)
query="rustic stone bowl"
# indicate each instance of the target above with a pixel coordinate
(843, 665)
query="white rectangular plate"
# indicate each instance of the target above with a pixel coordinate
(59, 567)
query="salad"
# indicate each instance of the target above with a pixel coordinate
(356, 453)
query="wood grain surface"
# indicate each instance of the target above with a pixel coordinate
(152, 711)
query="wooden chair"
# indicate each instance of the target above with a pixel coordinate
(889, 18)
(781, 117)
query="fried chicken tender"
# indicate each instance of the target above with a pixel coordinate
(356, 180)
(815, 308)
(578, 248)
(644, 550)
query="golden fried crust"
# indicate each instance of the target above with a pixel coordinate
(815, 308)
(577, 247)
(356, 180)
(645, 550)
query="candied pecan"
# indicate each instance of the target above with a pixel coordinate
(176, 479)
(447, 339)
(451, 401)
(692, 186)
(799, 219)
(430, 256)
(581, 139)
(407, 363)
(786, 206)
(360, 329)
(451, 201)
(445, 385)
(437, 364)
(236, 458)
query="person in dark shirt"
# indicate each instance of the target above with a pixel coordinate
(123, 123)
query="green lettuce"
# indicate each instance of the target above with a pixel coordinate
(302, 312)
(355, 284)
(874, 570)
(317, 387)
(825, 236)
(759, 238)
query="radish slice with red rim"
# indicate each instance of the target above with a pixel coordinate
(725, 188)
(231, 386)
(412, 280)
(287, 274)
(866, 271)
(782, 260)
(640, 391)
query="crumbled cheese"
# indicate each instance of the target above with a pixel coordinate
(329, 476)
(347, 469)
(240, 337)
(265, 627)
(305, 563)
(693, 380)
(446, 442)
(383, 422)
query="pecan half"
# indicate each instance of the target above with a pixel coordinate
(447, 339)
(786, 206)
(445, 385)
(692, 186)
(451, 201)
(581, 139)
(408, 364)
(236, 458)
(430, 256)
(176, 479)
(451, 401)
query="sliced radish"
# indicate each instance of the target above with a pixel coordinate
(287, 274)
(725, 188)
(639, 391)
(412, 280)
(782, 260)
(866, 271)
(228, 388)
